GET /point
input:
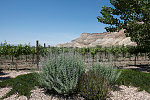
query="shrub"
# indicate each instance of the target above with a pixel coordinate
(22, 84)
(93, 87)
(106, 71)
(61, 73)
(135, 78)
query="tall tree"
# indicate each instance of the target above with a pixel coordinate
(131, 15)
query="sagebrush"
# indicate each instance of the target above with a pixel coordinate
(106, 71)
(61, 73)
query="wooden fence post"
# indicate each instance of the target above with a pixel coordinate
(44, 45)
(37, 54)
(48, 46)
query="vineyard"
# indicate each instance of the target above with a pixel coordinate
(23, 56)
(78, 71)
(26, 56)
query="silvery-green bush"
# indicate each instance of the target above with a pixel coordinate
(106, 71)
(61, 73)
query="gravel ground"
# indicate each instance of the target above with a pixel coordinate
(122, 93)
(37, 94)
(129, 93)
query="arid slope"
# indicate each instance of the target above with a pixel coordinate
(103, 39)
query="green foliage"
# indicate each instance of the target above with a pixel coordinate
(92, 86)
(84, 51)
(94, 51)
(26, 50)
(61, 73)
(106, 71)
(135, 78)
(22, 84)
(132, 15)
(123, 50)
(16, 51)
(33, 50)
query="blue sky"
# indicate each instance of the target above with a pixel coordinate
(49, 21)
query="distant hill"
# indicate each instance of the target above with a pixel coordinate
(103, 39)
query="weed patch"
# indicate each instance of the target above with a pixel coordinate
(22, 84)
(135, 78)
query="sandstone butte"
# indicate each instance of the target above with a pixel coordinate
(105, 39)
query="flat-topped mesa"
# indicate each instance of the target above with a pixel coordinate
(86, 34)
(106, 33)
(103, 39)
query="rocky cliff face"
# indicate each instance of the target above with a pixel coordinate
(103, 39)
